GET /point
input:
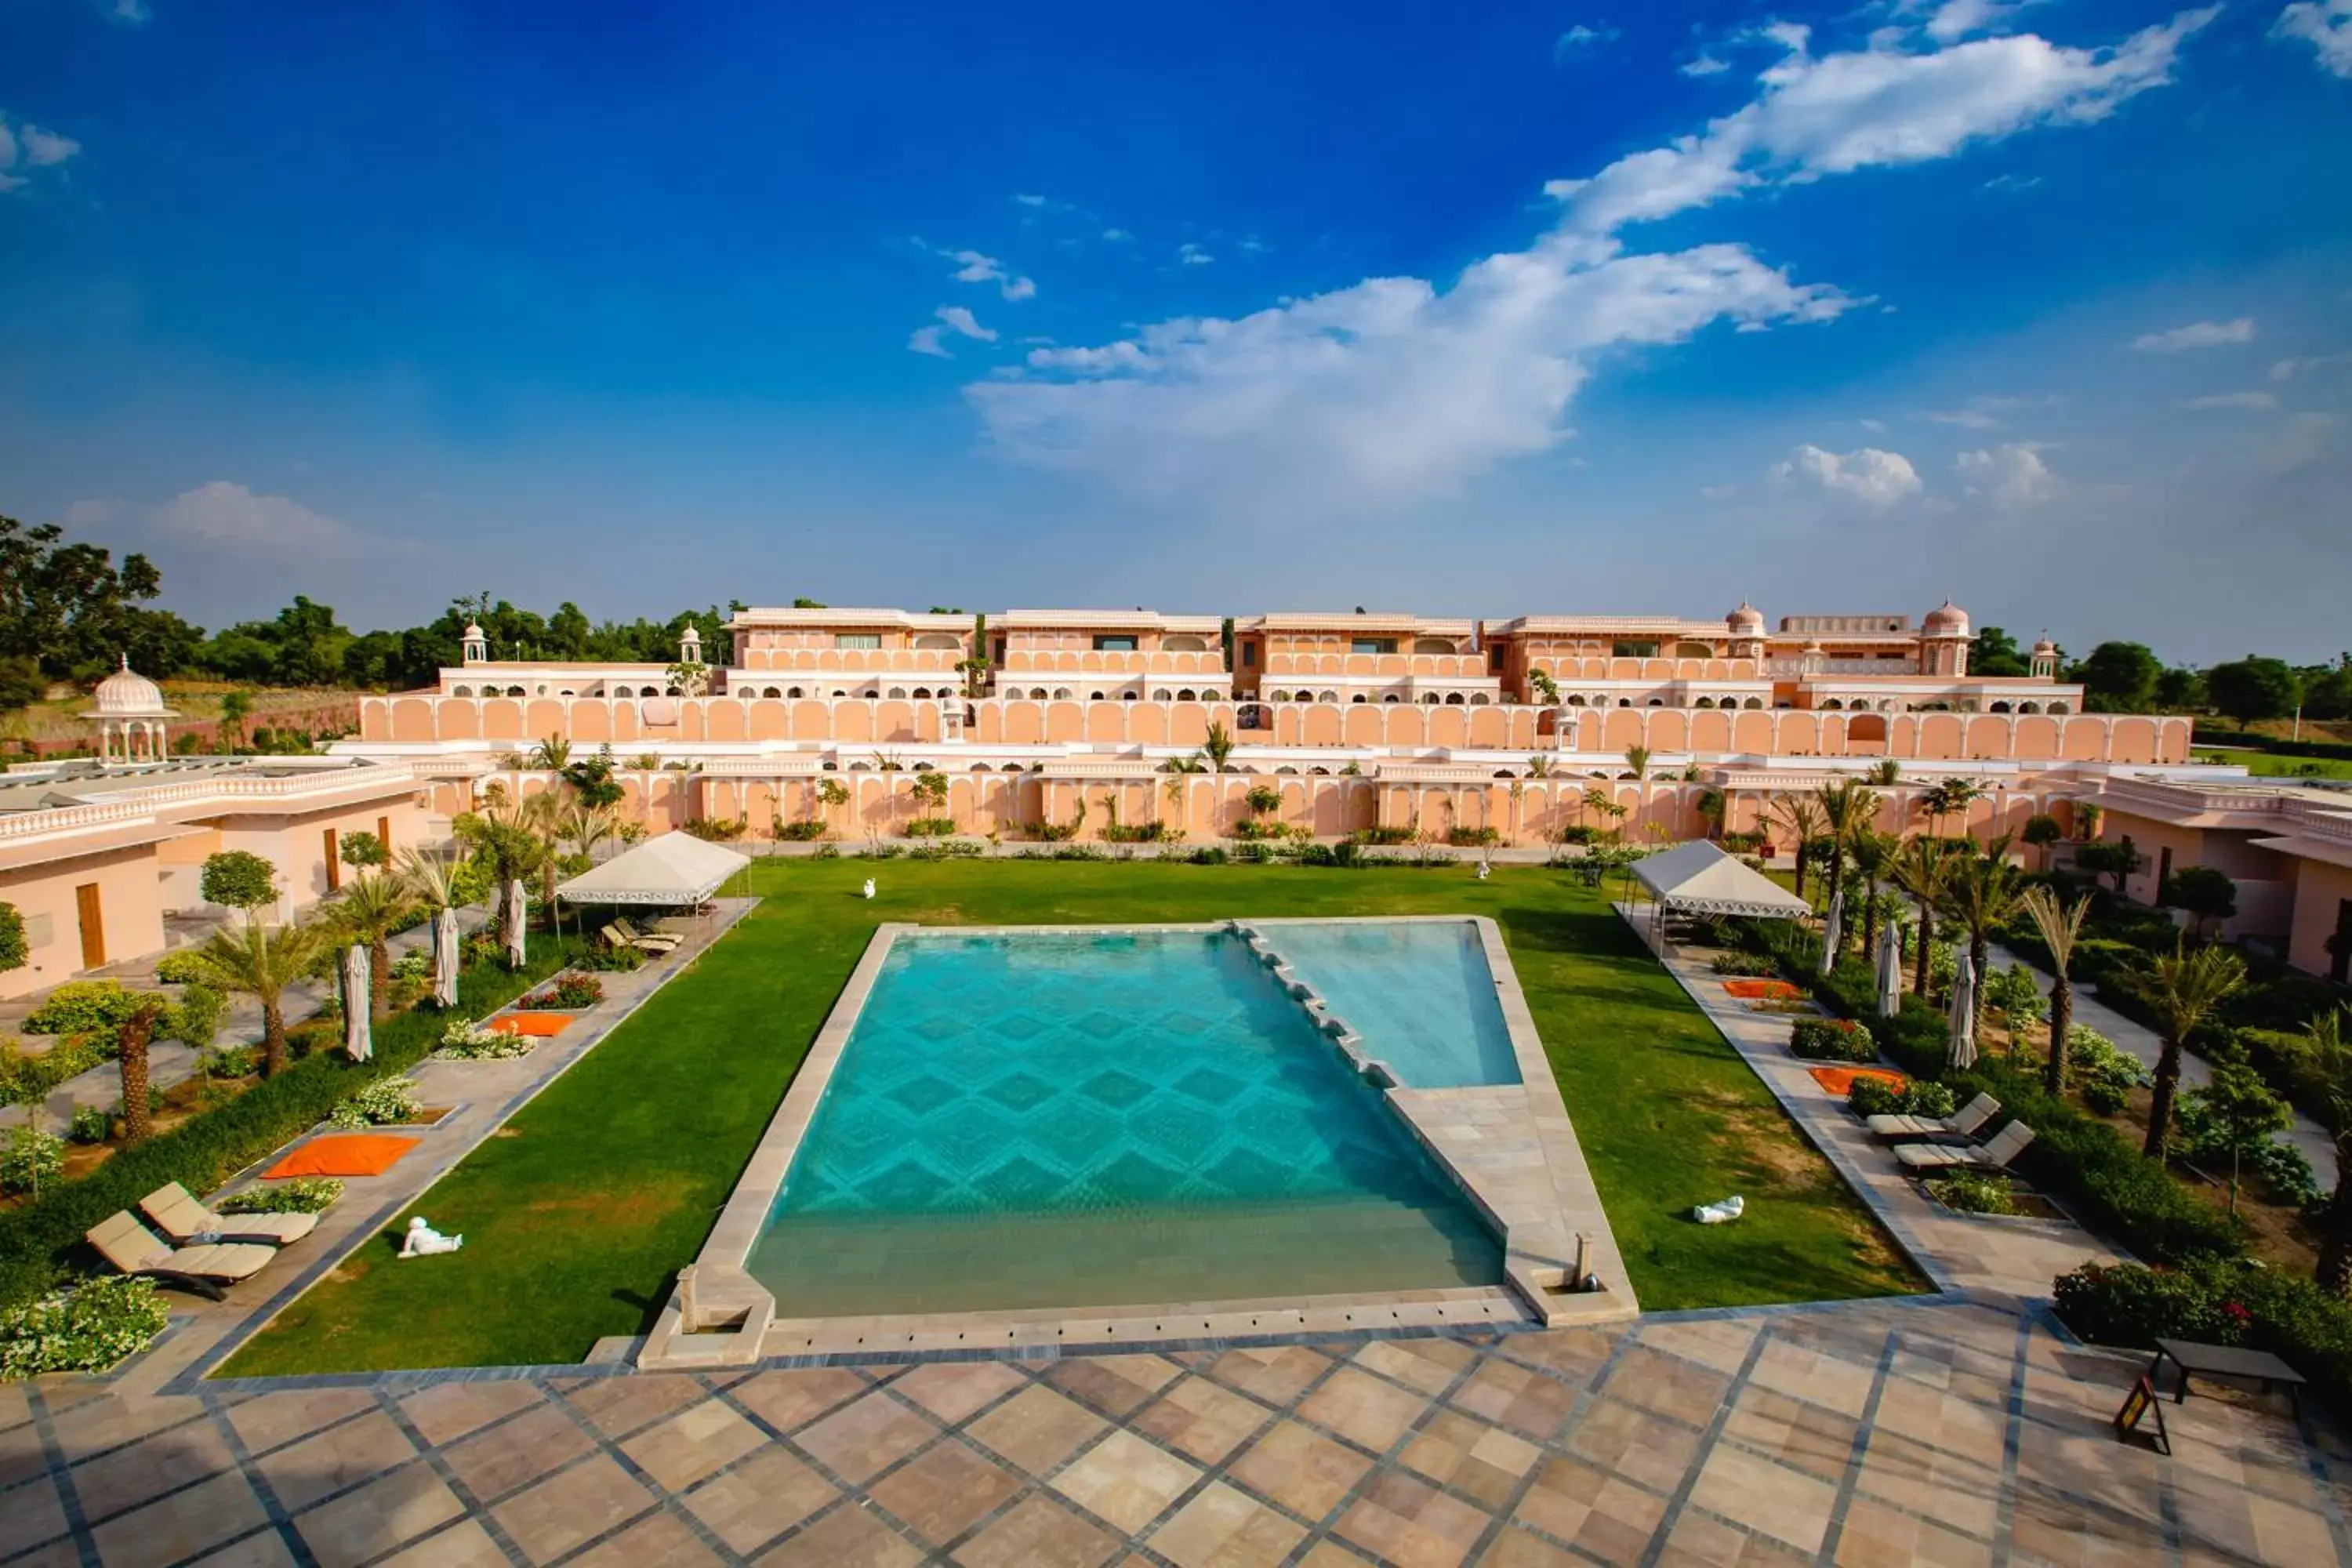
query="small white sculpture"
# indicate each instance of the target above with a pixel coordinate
(423, 1241)
(1723, 1213)
(869, 886)
(1483, 869)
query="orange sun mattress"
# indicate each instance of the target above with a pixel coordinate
(1841, 1081)
(346, 1154)
(537, 1024)
(1762, 990)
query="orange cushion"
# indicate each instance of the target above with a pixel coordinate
(1841, 1081)
(534, 1024)
(1761, 990)
(349, 1155)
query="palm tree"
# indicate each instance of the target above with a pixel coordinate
(1984, 890)
(1218, 747)
(1922, 867)
(2061, 925)
(374, 905)
(1951, 797)
(1801, 815)
(501, 839)
(236, 708)
(1886, 774)
(2332, 1054)
(586, 829)
(431, 878)
(2186, 989)
(261, 961)
(1637, 763)
(1847, 807)
(552, 754)
(1873, 853)
(132, 1039)
(1539, 768)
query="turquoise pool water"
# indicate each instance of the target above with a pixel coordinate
(1419, 992)
(1095, 1120)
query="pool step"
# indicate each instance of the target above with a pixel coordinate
(1350, 1044)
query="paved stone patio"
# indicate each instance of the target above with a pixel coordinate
(1957, 1428)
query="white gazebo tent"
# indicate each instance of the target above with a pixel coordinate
(1699, 879)
(670, 871)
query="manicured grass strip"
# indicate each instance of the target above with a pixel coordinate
(577, 1215)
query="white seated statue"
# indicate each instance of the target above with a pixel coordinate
(869, 886)
(423, 1241)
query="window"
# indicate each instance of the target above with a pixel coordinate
(1629, 648)
(857, 639)
(1114, 644)
(1249, 656)
(1373, 645)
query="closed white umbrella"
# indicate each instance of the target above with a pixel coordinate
(1964, 1014)
(1890, 971)
(357, 1044)
(445, 958)
(517, 907)
(1832, 932)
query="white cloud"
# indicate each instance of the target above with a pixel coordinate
(1718, 492)
(1875, 427)
(134, 13)
(2233, 400)
(1966, 419)
(1117, 236)
(1579, 38)
(230, 515)
(1884, 104)
(963, 322)
(973, 267)
(82, 515)
(2306, 438)
(1029, 199)
(2011, 477)
(1958, 18)
(926, 341)
(2197, 335)
(1866, 474)
(1705, 65)
(2288, 369)
(2326, 26)
(28, 146)
(2012, 183)
(1192, 255)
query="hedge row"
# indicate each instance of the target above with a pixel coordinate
(2074, 1156)
(40, 1242)
(2213, 737)
(2230, 1302)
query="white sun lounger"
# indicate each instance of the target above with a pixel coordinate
(1962, 1123)
(179, 1216)
(132, 1248)
(1990, 1155)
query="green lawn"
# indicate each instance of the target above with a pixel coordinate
(577, 1213)
(2274, 765)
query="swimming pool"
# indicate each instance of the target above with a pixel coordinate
(1083, 1119)
(1418, 991)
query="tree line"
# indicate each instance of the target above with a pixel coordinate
(2128, 678)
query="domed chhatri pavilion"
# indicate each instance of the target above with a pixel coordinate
(133, 724)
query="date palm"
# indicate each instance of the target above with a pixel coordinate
(2184, 992)
(375, 906)
(2060, 923)
(552, 754)
(1218, 746)
(501, 839)
(133, 1036)
(1637, 763)
(1801, 815)
(261, 961)
(1847, 807)
(2332, 1054)
(1922, 868)
(1873, 854)
(1984, 891)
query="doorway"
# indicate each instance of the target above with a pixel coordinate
(91, 914)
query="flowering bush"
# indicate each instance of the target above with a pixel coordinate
(469, 1040)
(570, 991)
(383, 1103)
(1832, 1040)
(1741, 964)
(1974, 1191)
(85, 1328)
(302, 1195)
(1876, 1097)
(31, 1160)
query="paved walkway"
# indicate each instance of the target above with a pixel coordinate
(1958, 1428)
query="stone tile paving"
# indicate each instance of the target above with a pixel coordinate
(1959, 1429)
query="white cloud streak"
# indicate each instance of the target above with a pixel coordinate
(1580, 40)
(2232, 400)
(232, 516)
(2197, 335)
(2326, 26)
(2011, 477)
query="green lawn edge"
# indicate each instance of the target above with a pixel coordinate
(578, 1213)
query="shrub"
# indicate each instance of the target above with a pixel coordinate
(364, 850)
(467, 1040)
(85, 1328)
(80, 1006)
(1875, 1097)
(302, 1195)
(1741, 843)
(239, 879)
(180, 968)
(1208, 855)
(570, 991)
(2017, 992)
(801, 832)
(946, 849)
(1382, 835)
(194, 1020)
(616, 959)
(717, 831)
(1741, 964)
(929, 828)
(1471, 837)
(1578, 833)
(415, 965)
(32, 1161)
(2105, 1074)
(1832, 1040)
(386, 1102)
(25, 1079)
(1974, 1191)
(90, 1124)
(15, 953)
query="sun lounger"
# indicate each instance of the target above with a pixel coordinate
(668, 939)
(1961, 1124)
(1990, 1155)
(182, 1219)
(615, 935)
(132, 1248)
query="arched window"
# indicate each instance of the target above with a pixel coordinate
(1061, 694)
(2000, 708)
(837, 691)
(1328, 697)
(793, 692)
(1390, 697)
(1453, 700)
(2058, 708)
(1624, 702)
(2027, 708)
(1359, 697)
(1477, 699)
(1703, 702)
(1429, 699)
(1129, 695)
(923, 694)
(514, 690)
(939, 639)
(672, 691)
(1184, 694)
(1159, 697)
(1657, 702)
(1183, 642)
(1435, 645)
(898, 691)
(567, 692)
(461, 691)
(771, 691)
(1832, 706)
(542, 688)
(1753, 702)
(1094, 697)
(1575, 699)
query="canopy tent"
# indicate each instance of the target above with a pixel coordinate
(669, 869)
(1699, 879)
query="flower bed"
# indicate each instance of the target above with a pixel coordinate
(296, 1195)
(1762, 990)
(1832, 1040)
(470, 1040)
(569, 993)
(87, 1329)
(387, 1102)
(1843, 1082)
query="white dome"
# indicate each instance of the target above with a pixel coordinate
(473, 631)
(127, 694)
(1948, 618)
(1747, 617)
(2046, 649)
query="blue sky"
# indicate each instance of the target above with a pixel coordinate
(1489, 309)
